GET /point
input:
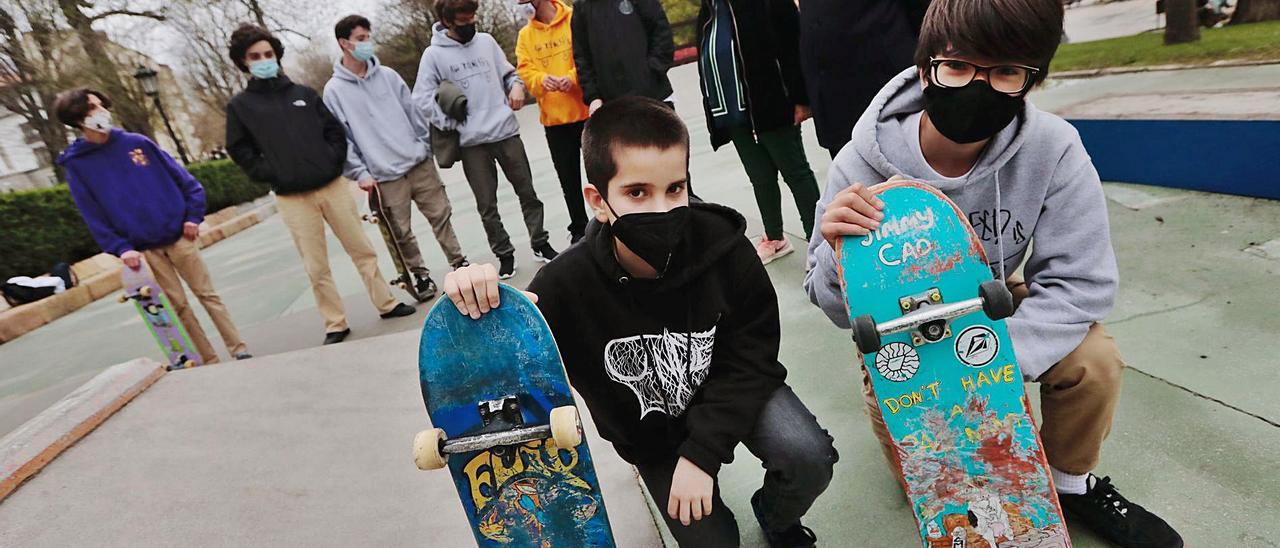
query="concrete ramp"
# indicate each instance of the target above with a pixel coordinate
(307, 448)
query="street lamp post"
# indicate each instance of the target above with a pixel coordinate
(147, 78)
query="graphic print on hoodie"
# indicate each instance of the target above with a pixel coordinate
(664, 370)
(1033, 193)
(678, 366)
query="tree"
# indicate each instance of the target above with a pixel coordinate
(1252, 11)
(1182, 24)
(406, 33)
(130, 103)
(25, 86)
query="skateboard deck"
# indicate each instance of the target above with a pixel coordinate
(159, 316)
(946, 378)
(495, 386)
(378, 216)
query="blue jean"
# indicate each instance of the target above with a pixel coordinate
(797, 455)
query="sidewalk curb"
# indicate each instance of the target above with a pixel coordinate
(1090, 73)
(27, 450)
(99, 275)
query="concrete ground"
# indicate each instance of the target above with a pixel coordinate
(301, 451)
(1090, 21)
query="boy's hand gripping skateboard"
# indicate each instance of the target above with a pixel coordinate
(928, 321)
(507, 428)
(164, 324)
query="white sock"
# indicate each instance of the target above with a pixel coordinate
(1070, 484)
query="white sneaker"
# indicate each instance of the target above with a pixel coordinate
(772, 250)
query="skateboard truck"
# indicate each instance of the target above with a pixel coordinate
(928, 317)
(503, 426)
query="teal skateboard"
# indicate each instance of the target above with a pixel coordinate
(506, 426)
(928, 323)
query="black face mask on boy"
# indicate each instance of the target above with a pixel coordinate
(653, 236)
(465, 32)
(971, 113)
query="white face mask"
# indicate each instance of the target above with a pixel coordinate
(526, 10)
(100, 121)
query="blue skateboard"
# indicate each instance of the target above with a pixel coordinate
(928, 322)
(506, 427)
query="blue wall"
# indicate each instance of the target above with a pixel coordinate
(1228, 156)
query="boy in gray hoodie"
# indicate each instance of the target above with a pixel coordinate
(388, 147)
(959, 121)
(490, 132)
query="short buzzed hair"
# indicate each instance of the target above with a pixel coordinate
(1008, 31)
(628, 122)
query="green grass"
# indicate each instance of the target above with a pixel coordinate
(1254, 41)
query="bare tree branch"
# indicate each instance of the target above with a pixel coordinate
(109, 13)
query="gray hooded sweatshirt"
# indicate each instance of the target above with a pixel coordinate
(1034, 181)
(386, 135)
(482, 71)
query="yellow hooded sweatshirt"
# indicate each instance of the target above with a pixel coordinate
(547, 50)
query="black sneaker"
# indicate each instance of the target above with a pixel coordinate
(575, 238)
(1104, 511)
(796, 536)
(464, 262)
(506, 267)
(336, 336)
(401, 309)
(426, 287)
(544, 253)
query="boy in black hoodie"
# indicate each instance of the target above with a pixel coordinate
(668, 326)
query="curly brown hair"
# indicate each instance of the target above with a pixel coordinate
(245, 37)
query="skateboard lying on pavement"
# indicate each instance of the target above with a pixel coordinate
(141, 288)
(507, 428)
(928, 321)
(378, 216)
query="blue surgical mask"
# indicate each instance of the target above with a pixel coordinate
(265, 69)
(363, 50)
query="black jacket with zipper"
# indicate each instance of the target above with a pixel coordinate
(280, 133)
(767, 33)
(678, 366)
(621, 48)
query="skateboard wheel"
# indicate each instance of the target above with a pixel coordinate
(564, 427)
(145, 292)
(371, 219)
(123, 298)
(426, 450)
(997, 301)
(866, 334)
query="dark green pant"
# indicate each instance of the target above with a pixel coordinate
(780, 150)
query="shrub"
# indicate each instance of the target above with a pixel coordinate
(40, 228)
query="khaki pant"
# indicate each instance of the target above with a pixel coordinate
(181, 259)
(422, 186)
(1078, 398)
(305, 214)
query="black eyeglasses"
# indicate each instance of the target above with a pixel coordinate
(953, 73)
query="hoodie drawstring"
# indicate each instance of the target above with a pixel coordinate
(999, 231)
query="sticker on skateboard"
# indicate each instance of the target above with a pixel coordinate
(928, 321)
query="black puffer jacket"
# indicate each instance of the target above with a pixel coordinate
(280, 133)
(768, 39)
(621, 48)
